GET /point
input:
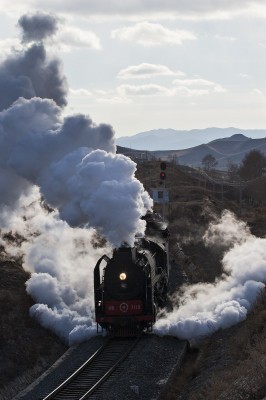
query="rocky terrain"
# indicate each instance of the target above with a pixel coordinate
(231, 364)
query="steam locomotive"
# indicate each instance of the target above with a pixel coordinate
(130, 286)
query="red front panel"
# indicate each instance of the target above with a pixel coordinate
(128, 307)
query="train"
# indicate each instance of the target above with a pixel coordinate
(130, 286)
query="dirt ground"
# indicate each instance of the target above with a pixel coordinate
(210, 371)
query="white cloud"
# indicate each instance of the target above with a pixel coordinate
(146, 70)
(113, 100)
(218, 88)
(149, 9)
(180, 87)
(150, 89)
(263, 45)
(227, 38)
(244, 76)
(80, 93)
(203, 86)
(109, 97)
(150, 35)
(70, 38)
(184, 91)
(257, 91)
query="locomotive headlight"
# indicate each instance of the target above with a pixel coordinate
(122, 276)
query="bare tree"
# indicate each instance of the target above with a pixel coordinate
(252, 165)
(209, 162)
(233, 170)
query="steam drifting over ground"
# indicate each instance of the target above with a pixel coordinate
(73, 164)
(62, 261)
(205, 308)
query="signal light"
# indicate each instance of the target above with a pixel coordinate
(163, 168)
(163, 165)
(162, 175)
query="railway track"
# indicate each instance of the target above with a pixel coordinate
(84, 382)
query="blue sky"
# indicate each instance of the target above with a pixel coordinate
(141, 65)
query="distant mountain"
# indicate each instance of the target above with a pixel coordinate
(171, 139)
(228, 149)
(232, 149)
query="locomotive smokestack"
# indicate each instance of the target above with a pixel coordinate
(123, 254)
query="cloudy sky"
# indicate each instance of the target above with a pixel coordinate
(147, 64)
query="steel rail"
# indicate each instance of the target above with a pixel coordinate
(111, 370)
(77, 372)
(95, 371)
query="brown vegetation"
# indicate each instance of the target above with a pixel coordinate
(252, 165)
(230, 365)
(209, 372)
(26, 348)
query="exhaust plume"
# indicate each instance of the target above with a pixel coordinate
(31, 72)
(72, 160)
(205, 308)
(37, 27)
(71, 163)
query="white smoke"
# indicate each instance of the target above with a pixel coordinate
(205, 308)
(227, 231)
(71, 163)
(71, 160)
(38, 26)
(62, 260)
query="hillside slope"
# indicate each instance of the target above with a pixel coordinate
(171, 139)
(224, 150)
(27, 349)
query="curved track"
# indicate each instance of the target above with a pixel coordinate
(95, 371)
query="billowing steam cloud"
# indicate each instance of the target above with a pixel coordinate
(71, 160)
(206, 308)
(73, 163)
(62, 284)
(37, 27)
(32, 74)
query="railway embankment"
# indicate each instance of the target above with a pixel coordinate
(146, 372)
(228, 364)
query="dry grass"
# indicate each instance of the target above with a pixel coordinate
(230, 365)
(25, 346)
(24, 379)
(27, 349)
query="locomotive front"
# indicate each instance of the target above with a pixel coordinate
(123, 292)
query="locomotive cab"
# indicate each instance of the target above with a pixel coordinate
(123, 298)
(123, 280)
(132, 284)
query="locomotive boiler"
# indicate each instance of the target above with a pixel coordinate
(132, 284)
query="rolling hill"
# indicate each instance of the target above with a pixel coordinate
(228, 149)
(170, 139)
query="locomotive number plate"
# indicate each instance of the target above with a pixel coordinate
(130, 307)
